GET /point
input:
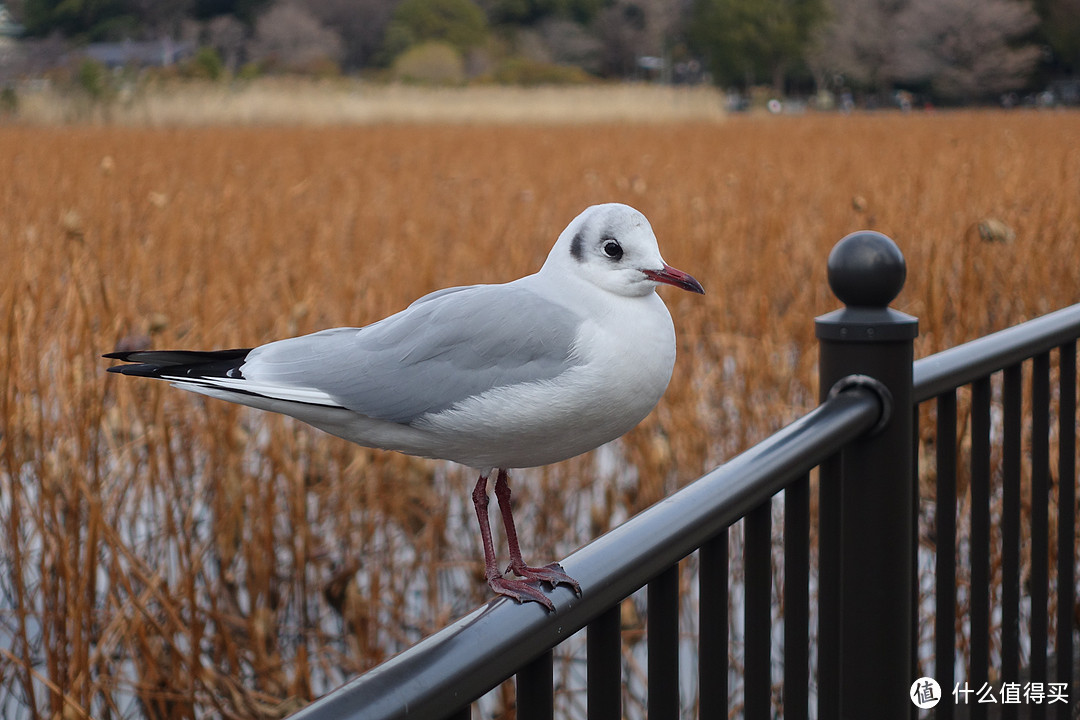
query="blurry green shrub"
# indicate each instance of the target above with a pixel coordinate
(249, 71)
(9, 101)
(461, 23)
(206, 65)
(523, 71)
(92, 77)
(435, 63)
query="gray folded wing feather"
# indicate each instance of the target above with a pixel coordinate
(444, 348)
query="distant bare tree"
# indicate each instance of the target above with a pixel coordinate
(289, 37)
(630, 29)
(964, 47)
(568, 42)
(32, 57)
(161, 19)
(360, 23)
(860, 42)
(620, 28)
(1061, 26)
(227, 36)
(663, 18)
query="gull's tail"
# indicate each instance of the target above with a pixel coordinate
(218, 373)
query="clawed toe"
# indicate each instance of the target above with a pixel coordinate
(521, 591)
(526, 589)
(551, 574)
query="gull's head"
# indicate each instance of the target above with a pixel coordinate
(613, 247)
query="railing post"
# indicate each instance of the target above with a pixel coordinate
(866, 520)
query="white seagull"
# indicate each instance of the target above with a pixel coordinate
(517, 375)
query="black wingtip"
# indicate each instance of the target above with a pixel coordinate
(155, 363)
(138, 370)
(119, 369)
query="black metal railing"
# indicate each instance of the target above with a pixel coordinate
(999, 360)
(863, 439)
(446, 671)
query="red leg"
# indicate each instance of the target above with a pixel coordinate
(519, 590)
(551, 574)
(480, 502)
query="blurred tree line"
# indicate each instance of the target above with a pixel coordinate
(951, 50)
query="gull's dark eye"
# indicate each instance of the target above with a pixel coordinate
(613, 249)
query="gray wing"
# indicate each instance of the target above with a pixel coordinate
(442, 349)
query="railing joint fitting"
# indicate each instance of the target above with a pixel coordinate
(885, 398)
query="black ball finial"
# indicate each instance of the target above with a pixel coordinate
(866, 269)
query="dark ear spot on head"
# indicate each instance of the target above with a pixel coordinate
(577, 246)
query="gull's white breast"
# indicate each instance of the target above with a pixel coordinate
(627, 354)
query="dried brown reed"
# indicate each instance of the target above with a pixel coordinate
(170, 557)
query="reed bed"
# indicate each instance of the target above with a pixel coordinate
(169, 556)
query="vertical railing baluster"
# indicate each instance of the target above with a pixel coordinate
(1010, 530)
(713, 628)
(1040, 553)
(663, 645)
(757, 676)
(604, 663)
(797, 599)
(1066, 526)
(828, 525)
(913, 671)
(945, 580)
(979, 552)
(536, 690)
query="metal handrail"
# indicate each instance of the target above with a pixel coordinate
(446, 671)
(980, 358)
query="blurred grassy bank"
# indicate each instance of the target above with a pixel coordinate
(270, 101)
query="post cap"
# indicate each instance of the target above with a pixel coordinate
(866, 269)
(866, 272)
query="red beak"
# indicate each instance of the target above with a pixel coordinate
(678, 278)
